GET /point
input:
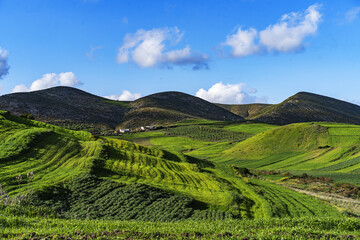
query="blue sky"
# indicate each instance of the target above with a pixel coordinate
(224, 51)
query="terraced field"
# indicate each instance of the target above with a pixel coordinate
(305, 146)
(58, 157)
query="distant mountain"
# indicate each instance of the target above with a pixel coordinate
(309, 107)
(167, 107)
(66, 105)
(244, 110)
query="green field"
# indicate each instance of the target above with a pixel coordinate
(305, 146)
(19, 227)
(184, 174)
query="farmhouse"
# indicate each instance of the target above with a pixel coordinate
(123, 130)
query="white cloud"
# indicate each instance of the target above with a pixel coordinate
(289, 33)
(229, 94)
(4, 67)
(49, 80)
(285, 36)
(125, 96)
(148, 49)
(352, 14)
(242, 42)
(20, 88)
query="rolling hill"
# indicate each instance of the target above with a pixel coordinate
(326, 147)
(170, 107)
(309, 107)
(66, 105)
(78, 175)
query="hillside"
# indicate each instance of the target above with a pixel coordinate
(303, 146)
(170, 107)
(66, 106)
(309, 107)
(76, 109)
(244, 110)
(78, 175)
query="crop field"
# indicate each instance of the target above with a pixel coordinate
(309, 146)
(208, 134)
(252, 128)
(184, 175)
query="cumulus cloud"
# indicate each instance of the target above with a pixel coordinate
(242, 42)
(287, 35)
(148, 49)
(4, 67)
(352, 14)
(229, 94)
(49, 80)
(125, 96)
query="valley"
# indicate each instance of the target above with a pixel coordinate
(204, 178)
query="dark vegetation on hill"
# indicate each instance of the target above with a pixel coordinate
(79, 110)
(244, 110)
(169, 107)
(309, 107)
(92, 198)
(66, 106)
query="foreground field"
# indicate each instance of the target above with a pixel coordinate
(190, 181)
(21, 227)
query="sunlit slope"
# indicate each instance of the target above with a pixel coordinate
(59, 157)
(304, 146)
(55, 155)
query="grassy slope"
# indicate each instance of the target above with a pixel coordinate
(60, 154)
(305, 146)
(256, 204)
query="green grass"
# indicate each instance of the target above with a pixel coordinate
(138, 135)
(304, 146)
(92, 181)
(252, 128)
(299, 228)
(295, 228)
(207, 134)
(198, 121)
(120, 103)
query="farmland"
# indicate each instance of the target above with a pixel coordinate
(185, 173)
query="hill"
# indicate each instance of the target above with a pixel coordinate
(309, 107)
(244, 110)
(66, 106)
(77, 175)
(76, 109)
(170, 107)
(303, 146)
